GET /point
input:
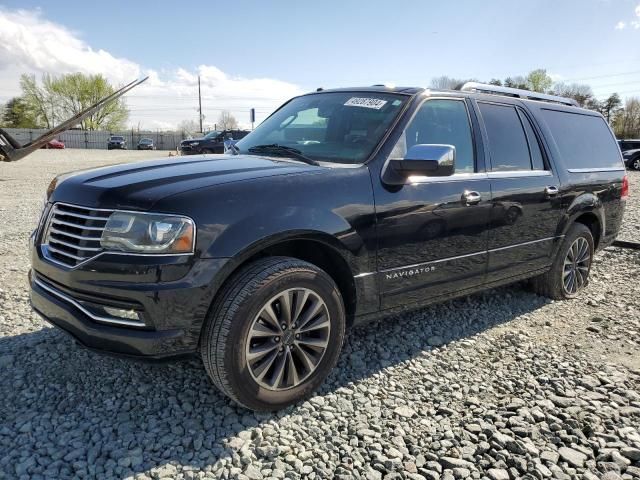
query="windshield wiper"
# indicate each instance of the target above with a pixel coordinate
(276, 149)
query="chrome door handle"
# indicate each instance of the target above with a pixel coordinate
(471, 198)
(551, 190)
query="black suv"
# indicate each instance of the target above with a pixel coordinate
(631, 153)
(116, 142)
(343, 206)
(212, 142)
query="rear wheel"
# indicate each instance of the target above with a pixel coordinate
(569, 273)
(274, 333)
(635, 163)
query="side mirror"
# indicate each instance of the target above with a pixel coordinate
(429, 160)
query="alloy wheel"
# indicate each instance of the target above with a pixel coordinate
(636, 164)
(576, 266)
(288, 339)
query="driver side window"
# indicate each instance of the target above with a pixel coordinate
(444, 122)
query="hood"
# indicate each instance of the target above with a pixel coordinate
(138, 186)
(192, 140)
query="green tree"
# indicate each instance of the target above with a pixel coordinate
(38, 99)
(76, 92)
(58, 98)
(610, 107)
(16, 114)
(539, 81)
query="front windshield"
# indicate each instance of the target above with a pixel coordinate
(340, 127)
(212, 134)
(116, 138)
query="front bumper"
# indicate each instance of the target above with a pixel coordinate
(189, 150)
(171, 294)
(116, 146)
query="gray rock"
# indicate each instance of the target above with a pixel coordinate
(572, 457)
(631, 453)
(404, 411)
(498, 474)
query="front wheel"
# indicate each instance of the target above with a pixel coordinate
(274, 333)
(569, 273)
(635, 163)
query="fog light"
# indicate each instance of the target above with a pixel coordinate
(120, 313)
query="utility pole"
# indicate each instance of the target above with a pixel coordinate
(199, 104)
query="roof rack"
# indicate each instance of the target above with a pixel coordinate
(516, 92)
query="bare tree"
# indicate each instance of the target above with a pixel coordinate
(581, 93)
(448, 83)
(226, 121)
(516, 82)
(189, 126)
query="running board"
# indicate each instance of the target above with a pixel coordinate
(11, 150)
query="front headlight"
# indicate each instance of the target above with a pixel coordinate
(195, 143)
(148, 233)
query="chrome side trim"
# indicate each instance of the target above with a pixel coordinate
(456, 177)
(97, 318)
(459, 177)
(526, 243)
(448, 259)
(362, 275)
(599, 169)
(519, 173)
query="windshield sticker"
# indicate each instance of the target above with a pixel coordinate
(374, 103)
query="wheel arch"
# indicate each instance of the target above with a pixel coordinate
(588, 210)
(321, 250)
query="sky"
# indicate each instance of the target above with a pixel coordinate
(258, 54)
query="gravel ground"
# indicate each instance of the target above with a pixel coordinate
(500, 385)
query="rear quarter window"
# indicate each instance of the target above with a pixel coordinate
(584, 141)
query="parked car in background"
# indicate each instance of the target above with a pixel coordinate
(631, 153)
(212, 142)
(343, 206)
(54, 144)
(116, 142)
(146, 144)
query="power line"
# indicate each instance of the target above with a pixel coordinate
(601, 76)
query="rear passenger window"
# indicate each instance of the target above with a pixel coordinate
(534, 147)
(443, 122)
(507, 140)
(584, 141)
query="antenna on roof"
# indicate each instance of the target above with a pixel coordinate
(516, 92)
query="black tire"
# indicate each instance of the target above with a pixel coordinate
(226, 331)
(635, 163)
(550, 284)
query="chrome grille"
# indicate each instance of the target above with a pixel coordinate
(72, 234)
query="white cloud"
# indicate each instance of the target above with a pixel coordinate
(29, 43)
(635, 24)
